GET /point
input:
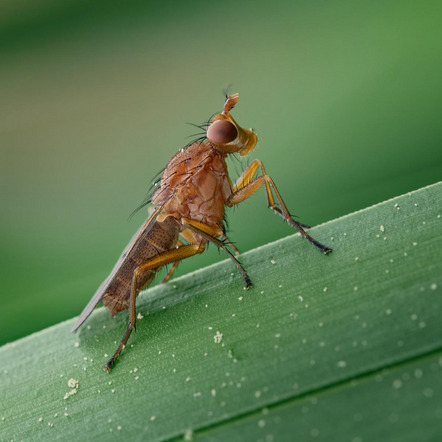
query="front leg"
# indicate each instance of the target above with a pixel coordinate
(246, 185)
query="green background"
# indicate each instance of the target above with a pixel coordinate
(345, 98)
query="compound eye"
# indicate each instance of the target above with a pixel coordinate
(221, 132)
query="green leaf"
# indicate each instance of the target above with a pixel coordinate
(345, 347)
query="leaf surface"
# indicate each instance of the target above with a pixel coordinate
(344, 347)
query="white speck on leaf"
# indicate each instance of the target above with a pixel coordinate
(73, 385)
(397, 383)
(314, 432)
(428, 392)
(218, 337)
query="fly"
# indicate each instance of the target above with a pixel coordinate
(187, 213)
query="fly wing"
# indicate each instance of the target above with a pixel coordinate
(127, 251)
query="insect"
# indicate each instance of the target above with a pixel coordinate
(188, 213)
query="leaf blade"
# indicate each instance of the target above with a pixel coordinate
(210, 353)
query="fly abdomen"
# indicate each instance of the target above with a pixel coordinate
(161, 237)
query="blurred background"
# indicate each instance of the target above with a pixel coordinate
(345, 97)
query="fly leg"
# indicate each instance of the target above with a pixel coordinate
(210, 234)
(246, 185)
(230, 244)
(170, 272)
(153, 264)
(189, 237)
(173, 268)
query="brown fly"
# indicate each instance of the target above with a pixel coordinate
(187, 213)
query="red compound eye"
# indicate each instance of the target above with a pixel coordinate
(222, 132)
